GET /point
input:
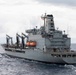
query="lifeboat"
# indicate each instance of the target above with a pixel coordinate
(27, 43)
(31, 43)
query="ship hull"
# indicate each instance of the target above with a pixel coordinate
(41, 56)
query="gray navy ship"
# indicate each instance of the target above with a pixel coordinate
(45, 44)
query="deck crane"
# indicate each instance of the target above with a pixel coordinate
(7, 40)
(25, 36)
(17, 38)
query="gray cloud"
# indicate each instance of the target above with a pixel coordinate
(13, 2)
(60, 2)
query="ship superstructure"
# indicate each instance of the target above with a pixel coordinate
(48, 37)
(45, 44)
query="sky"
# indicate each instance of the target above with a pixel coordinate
(16, 16)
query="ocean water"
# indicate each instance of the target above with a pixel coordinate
(17, 66)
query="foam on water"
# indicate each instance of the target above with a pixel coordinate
(1, 49)
(16, 66)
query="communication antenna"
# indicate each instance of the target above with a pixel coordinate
(64, 31)
(57, 28)
(67, 30)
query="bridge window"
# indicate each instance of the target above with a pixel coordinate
(52, 25)
(51, 19)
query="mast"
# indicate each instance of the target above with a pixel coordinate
(44, 18)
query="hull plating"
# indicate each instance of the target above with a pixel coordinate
(42, 56)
